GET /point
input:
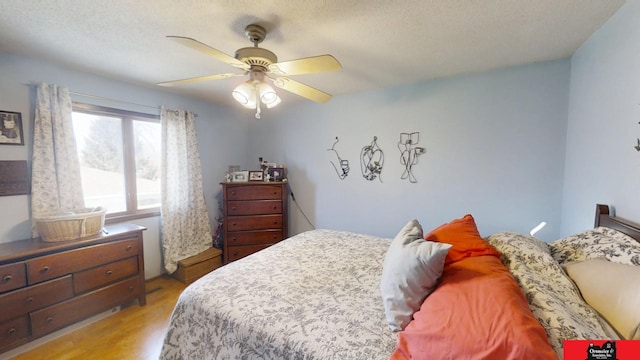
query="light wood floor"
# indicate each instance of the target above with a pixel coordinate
(135, 332)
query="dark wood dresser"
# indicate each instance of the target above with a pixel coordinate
(45, 286)
(255, 217)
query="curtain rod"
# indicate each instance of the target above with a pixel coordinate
(103, 98)
(110, 99)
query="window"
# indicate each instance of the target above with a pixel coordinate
(119, 154)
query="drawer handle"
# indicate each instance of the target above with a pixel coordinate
(233, 208)
(275, 223)
(233, 193)
(49, 319)
(130, 288)
(275, 208)
(109, 272)
(44, 269)
(11, 331)
(234, 239)
(235, 253)
(29, 300)
(234, 224)
(7, 278)
(129, 247)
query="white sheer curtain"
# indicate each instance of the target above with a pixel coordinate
(186, 230)
(55, 182)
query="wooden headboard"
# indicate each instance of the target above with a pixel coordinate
(604, 218)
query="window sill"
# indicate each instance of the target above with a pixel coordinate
(118, 218)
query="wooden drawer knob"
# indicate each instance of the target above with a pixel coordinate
(11, 331)
(7, 278)
(130, 288)
(234, 239)
(235, 253)
(28, 300)
(109, 272)
(129, 247)
(44, 269)
(233, 193)
(49, 319)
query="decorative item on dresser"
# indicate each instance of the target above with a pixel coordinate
(255, 217)
(46, 286)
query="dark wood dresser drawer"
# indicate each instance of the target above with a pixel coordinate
(51, 266)
(25, 300)
(12, 276)
(238, 252)
(13, 331)
(101, 275)
(258, 207)
(81, 307)
(254, 237)
(254, 192)
(257, 222)
(45, 286)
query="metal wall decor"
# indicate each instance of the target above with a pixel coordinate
(372, 160)
(637, 147)
(344, 164)
(409, 154)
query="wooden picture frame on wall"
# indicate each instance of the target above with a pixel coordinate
(14, 179)
(11, 128)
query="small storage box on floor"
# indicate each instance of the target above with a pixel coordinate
(194, 267)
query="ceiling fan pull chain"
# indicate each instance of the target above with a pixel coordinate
(257, 101)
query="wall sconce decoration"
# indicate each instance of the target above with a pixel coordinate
(372, 160)
(344, 164)
(409, 154)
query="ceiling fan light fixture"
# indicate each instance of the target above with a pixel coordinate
(245, 94)
(274, 103)
(267, 94)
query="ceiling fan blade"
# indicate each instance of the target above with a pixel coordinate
(301, 89)
(198, 79)
(310, 65)
(204, 48)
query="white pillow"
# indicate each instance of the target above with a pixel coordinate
(613, 290)
(410, 272)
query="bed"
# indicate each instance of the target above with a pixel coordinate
(321, 295)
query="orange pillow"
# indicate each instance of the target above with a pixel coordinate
(477, 312)
(465, 238)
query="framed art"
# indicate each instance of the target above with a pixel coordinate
(14, 179)
(240, 176)
(276, 174)
(256, 175)
(11, 128)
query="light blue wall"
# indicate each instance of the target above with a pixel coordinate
(603, 126)
(219, 134)
(495, 148)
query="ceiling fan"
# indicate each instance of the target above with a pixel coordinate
(262, 64)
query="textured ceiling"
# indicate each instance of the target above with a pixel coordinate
(380, 43)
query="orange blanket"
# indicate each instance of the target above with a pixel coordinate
(476, 312)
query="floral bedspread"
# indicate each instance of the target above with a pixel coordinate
(552, 296)
(313, 296)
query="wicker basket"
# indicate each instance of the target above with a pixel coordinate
(70, 225)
